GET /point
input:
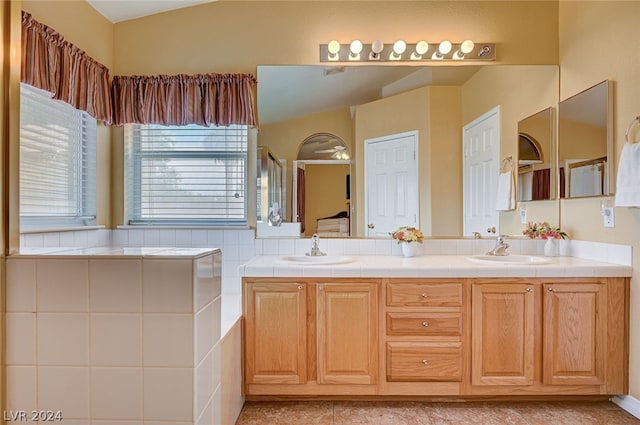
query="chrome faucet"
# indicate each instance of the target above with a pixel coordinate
(315, 246)
(501, 246)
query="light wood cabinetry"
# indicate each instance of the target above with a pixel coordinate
(549, 336)
(435, 337)
(310, 337)
(574, 333)
(503, 333)
(347, 324)
(423, 336)
(276, 333)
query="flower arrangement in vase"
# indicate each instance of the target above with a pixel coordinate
(405, 236)
(543, 230)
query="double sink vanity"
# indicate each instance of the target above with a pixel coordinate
(434, 326)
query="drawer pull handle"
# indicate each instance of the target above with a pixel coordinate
(425, 362)
(424, 295)
(425, 323)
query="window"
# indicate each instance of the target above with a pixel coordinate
(186, 174)
(57, 162)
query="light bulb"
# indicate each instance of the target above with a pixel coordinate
(467, 47)
(421, 48)
(398, 49)
(376, 48)
(355, 47)
(444, 47)
(333, 48)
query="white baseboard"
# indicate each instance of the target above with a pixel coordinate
(628, 403)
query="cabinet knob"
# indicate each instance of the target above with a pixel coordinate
(424, 295)
(528, 289)
(425, 362)
(300, 287)
(550, 289)
(425, 323)
(320, 287)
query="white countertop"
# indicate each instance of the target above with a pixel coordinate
(115, 251)
(439, 266)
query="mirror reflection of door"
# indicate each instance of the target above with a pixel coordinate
(391, 183)
(481, 139)
(321, 186)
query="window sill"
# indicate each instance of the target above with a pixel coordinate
(59, 229)
(182, 226)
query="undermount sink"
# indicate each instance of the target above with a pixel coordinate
(317, 260)
(510, 259)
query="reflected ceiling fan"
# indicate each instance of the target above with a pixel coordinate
(337, 151)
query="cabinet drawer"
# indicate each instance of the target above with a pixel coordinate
(414, 361)
(424, 324)
(424, 294)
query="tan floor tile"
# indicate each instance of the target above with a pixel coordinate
(287, 413)
(439, 413)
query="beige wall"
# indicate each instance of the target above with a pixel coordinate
(594, 39)
(580, 141)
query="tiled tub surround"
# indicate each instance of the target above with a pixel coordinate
(115, 335)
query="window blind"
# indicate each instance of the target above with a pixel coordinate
(186, 174)
(57, 162)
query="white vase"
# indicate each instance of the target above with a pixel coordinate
(410, 249)
(551, 248)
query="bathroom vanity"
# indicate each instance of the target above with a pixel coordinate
(435, 326)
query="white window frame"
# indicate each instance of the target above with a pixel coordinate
(52, 128)
(136, 153)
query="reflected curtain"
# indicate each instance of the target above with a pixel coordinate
(562, 183)
(301, 199)
(204, 99)
(541, 185)
(50, 63)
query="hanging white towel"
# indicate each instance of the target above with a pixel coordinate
(628, 178)
(505, 197)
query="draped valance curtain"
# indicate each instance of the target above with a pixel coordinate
(50, 63)
(57, 66)
(204, 99)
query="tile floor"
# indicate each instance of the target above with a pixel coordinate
(417, 413)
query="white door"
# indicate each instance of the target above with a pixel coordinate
(391, 183)
(481, 139)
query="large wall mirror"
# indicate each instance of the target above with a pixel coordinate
(359, 103)
(585, 143)
(536, 157)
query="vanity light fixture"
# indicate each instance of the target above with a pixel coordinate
(401, 51)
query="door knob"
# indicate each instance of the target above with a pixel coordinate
(371, 225)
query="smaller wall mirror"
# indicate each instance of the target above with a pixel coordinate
(585, 143)
(535, 157)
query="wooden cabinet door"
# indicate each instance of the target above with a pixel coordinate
(574, 329)
(276, 333)
(347, 319)
(503, 333)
